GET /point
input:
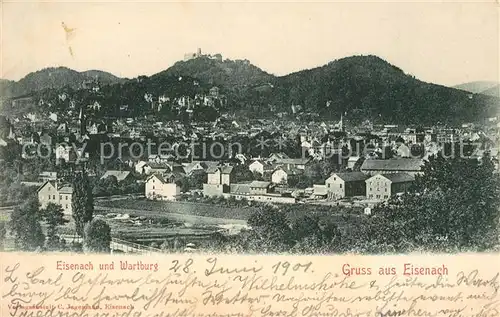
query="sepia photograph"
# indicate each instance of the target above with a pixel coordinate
(249, 159)
(249, 128)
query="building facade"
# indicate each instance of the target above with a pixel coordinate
(340, 185)
(256, 167)
(279, 176)
(162, 187)
(383, 186)
(218, 181)
(51, 192)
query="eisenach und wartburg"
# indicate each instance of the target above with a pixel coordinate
(123, 265)
(217, 155)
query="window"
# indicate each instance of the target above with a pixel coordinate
(385, 196)
(54, 197)
(370, 189)
(386, 190)
(66, 206)
(378, 196)
(66, 197)
(60, 197)
(328, 185)
(153, 187)
(335, 178)
(340, 185)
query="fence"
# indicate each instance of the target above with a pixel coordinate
(118, 244)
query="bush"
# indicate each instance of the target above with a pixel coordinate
(97, 237)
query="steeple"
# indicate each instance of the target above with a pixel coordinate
(81, 117)
(11, 136)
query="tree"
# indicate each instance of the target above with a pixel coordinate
(82, 202)
(242, 173)
(197, 179)
(3, 233)
(54, 216)
(271, 232)
(97, 237)
(315, 236)
(110, 185)
(25, 225)
(453, 206)
(417, 150)
(299, 181)
(387, 152)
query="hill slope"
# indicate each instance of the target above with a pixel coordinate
(476, 87)
(53, 78)
(369, 87)
(360, 87)
(228, 73)
(493, 91)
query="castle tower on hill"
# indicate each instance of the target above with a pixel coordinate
(189, 56)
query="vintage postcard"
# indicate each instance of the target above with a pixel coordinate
(249, 158)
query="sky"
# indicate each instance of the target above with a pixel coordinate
(445, 43)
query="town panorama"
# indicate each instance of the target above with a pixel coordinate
(217, 155)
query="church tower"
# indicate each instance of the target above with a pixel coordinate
(83, 126)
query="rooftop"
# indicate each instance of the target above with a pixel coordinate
(397, 177)
(350, 177)
(259, 184)
(120, 175)
(405, 164)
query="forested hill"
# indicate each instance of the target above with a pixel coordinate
(369, 87)
(54, 77)
(363, 87)
(228, 73)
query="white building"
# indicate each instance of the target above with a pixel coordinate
(162, 187)
(142, 167)
(403, 151)
(256, 167)
(66, 153)
(50, 192)
(383, 186)
(279, 176)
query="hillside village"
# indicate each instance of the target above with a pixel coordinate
(315, 161)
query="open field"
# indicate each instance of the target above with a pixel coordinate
(184, 218)
(155, 227)
(190, 213)
(147, 207)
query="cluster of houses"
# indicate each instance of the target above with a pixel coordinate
(377, 180)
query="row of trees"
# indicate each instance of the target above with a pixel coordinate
(453, 206)
(110, 186)
(274, 230)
